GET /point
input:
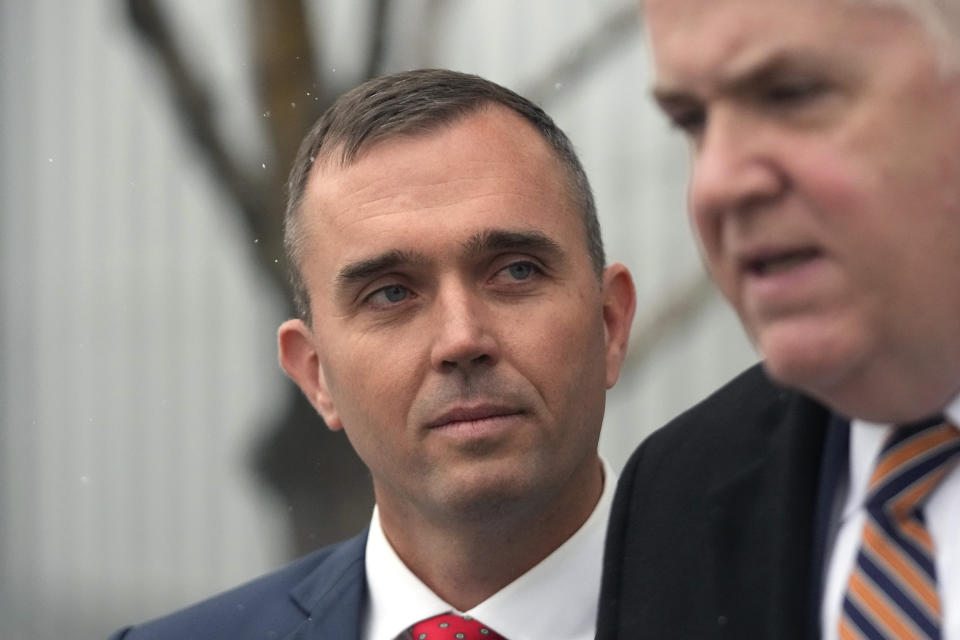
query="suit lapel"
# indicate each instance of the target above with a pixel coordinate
(834, 476)
(762, 522)
(332, 596)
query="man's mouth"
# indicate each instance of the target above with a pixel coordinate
(774, 264)
(471, 414)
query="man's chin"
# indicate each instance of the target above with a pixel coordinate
(488, 495)
(807, 361)
(791, 374)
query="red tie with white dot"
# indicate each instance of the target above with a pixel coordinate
(451, 626)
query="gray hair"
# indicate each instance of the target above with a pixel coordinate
(941, 20)
(416, 103)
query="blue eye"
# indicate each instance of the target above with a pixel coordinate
(388, 295)
(521, 270)
(394, 293)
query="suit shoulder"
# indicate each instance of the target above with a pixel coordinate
(265, 607)
(740, 415)
(708, 490)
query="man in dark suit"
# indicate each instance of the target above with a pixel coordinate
(816, 495)
(457, 321)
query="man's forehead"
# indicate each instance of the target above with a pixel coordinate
(403, 188)
(729, 42)
(478, 164)
(737, 38)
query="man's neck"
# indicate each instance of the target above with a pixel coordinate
(894, 393)
(465, 561)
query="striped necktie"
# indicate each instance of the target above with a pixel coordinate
(892, 591)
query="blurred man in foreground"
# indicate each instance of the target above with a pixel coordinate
(457, 321)
(817, 495)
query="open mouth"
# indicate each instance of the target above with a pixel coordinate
(771, 265)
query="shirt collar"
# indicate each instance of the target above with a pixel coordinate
(566, 584)
(866, 441)
(953, 411)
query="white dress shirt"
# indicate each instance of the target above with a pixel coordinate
(556, 599)
(942, 513)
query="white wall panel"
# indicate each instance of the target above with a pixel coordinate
(137, 341)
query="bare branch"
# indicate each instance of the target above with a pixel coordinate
(291, 96)
(287, 83)
(193, 104)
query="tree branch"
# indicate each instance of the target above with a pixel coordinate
(193, 103)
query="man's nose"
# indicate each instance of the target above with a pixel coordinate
(464, 336)
(735, 165)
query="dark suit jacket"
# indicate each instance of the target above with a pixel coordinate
(318, 597)
(717, 530)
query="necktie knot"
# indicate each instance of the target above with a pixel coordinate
(452, 626)
(912, 463)
(892, 592)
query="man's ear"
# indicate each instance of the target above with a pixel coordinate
(619, 304)
(300, 358)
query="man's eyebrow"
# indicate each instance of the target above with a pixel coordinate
(504, 240)
(670, 99)
(369, 267)
(738, 81)
(480, 243)
(772, 69)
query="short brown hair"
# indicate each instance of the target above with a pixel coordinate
(415, 103)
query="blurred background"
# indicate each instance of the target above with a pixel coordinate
(151, 450)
